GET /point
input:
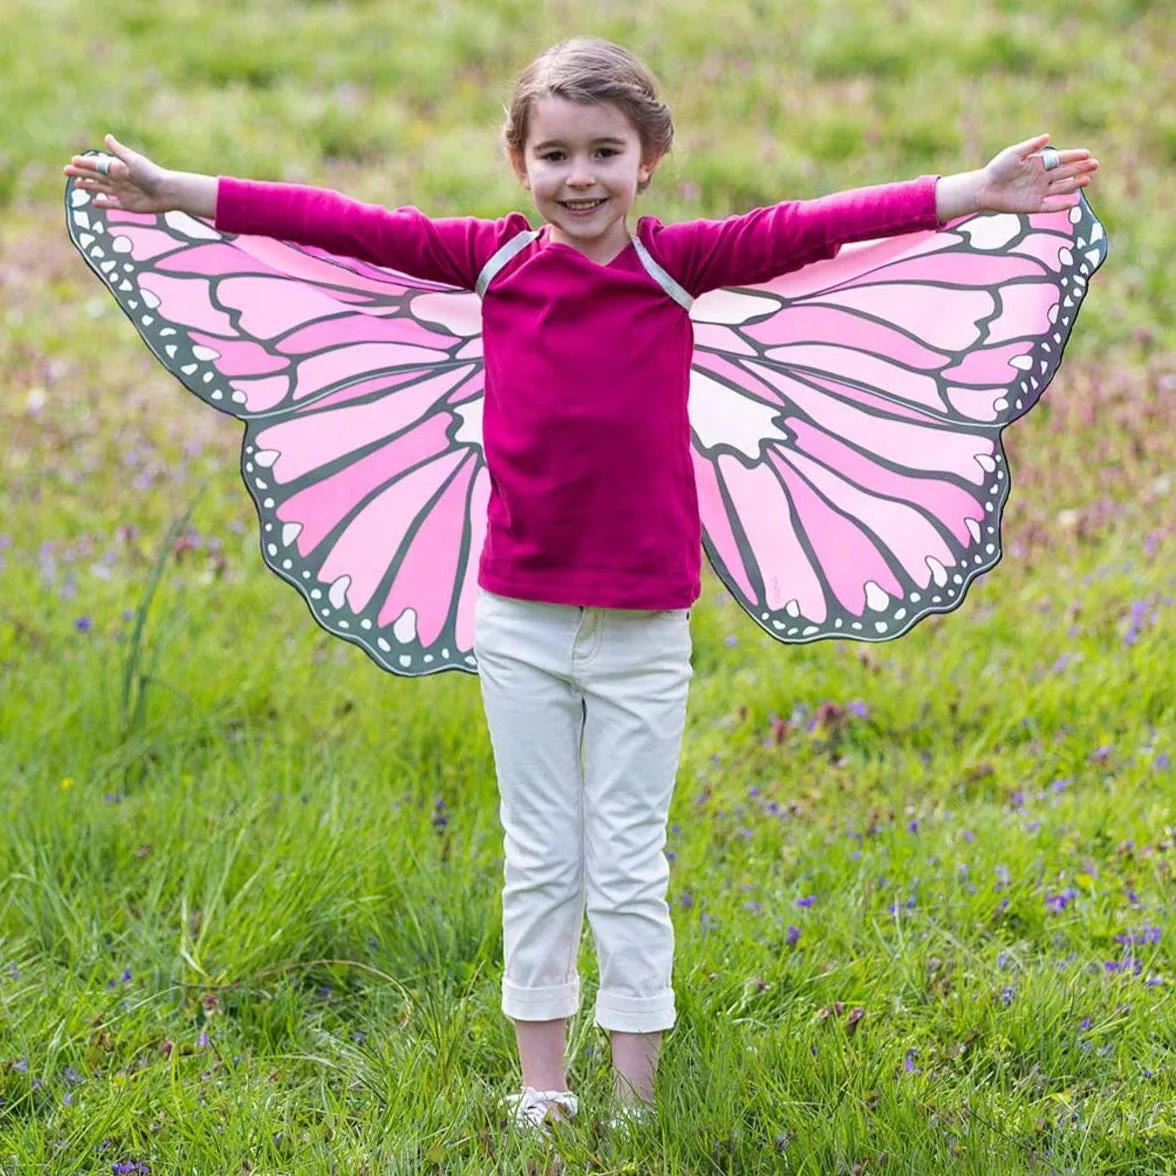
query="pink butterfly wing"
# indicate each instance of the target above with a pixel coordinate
(361, 394)
(847, 417)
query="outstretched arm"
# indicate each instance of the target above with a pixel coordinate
(451, 251)
(132, 182)
(1016, 180)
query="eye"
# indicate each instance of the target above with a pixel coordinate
(607, 152)
(552, 156)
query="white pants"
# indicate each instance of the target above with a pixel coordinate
(586, 708)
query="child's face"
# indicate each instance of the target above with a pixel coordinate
(582, 164)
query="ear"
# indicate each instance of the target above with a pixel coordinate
(520, 168)
(647, 168)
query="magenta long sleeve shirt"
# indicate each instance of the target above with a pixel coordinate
(585, 432)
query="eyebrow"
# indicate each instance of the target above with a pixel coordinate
(606, 141)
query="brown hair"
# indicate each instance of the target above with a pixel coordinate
(587, 69)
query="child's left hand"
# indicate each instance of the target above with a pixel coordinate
(1016, 180)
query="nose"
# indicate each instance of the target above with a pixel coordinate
(581, 174)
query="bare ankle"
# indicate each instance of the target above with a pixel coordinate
(541, 1053)
(635, 1057)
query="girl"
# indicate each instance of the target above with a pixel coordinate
(592, 553)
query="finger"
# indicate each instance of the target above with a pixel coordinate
(119, 150)
(83, 165)
(1084, 169)
(1070, 185)
(1059, 203)
(1031, 146)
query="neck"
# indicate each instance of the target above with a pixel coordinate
(601, 251)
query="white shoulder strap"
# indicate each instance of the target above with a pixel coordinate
(520, 241)
(505, 252)
(659, 275)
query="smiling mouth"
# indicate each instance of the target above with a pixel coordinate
(581, 205)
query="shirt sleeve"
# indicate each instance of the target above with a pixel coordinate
(451, 250)
(767, 242)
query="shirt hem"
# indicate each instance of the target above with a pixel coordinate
(591, 594)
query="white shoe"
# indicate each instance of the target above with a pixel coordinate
(538, 1108)
(630, 1117)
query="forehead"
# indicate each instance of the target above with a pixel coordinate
(560, 120)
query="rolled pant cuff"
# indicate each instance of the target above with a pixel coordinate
(541, 1004)
(630, 1014)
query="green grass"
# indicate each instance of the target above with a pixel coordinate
(249, 884)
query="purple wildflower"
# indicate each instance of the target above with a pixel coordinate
(1056, 903)
(858, 709)
(793, 936)
(1147, 934)
(83, 624)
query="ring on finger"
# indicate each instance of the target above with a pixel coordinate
(102, 163)
(1050, 158)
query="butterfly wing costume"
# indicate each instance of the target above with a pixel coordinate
(845, 419)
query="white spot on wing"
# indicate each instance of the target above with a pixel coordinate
(728, 307)
(876, 597)
(290, 532)
(190, 226)
(469, 432)
(337, 594)
(991, 232)
(722, 417)
(404, 629)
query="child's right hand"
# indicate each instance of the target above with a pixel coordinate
(132, 182)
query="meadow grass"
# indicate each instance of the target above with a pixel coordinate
(249, 883)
